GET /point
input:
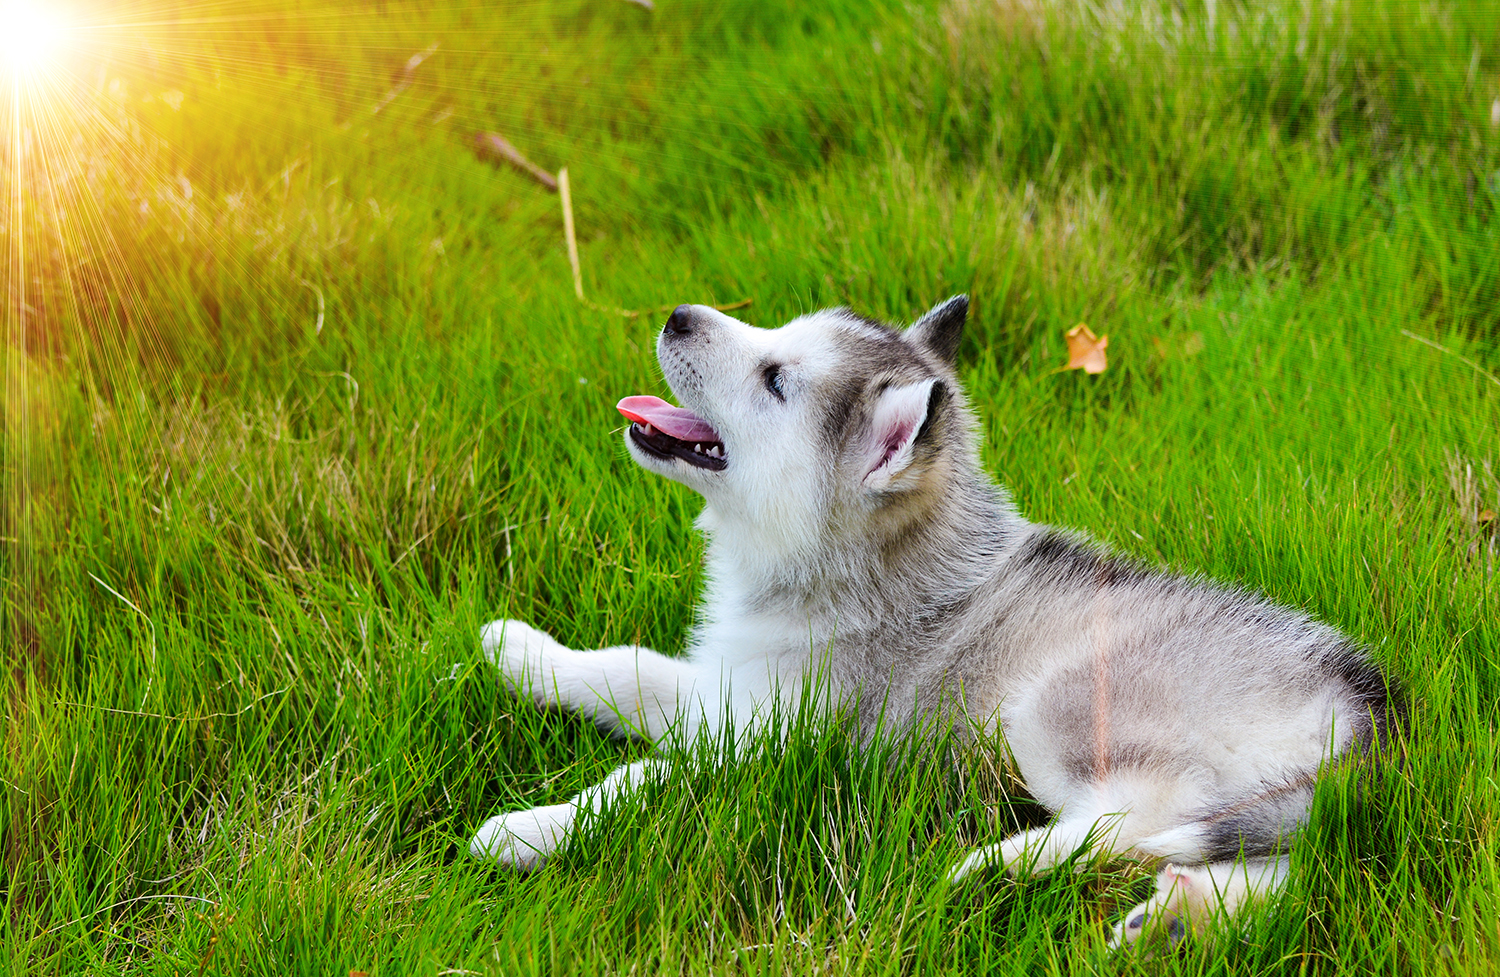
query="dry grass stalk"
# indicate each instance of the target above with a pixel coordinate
(1476, 491)
(403, 81)
(497, 149)
(567, 208)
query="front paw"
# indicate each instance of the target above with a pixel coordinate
(519, 650)
(522, 840)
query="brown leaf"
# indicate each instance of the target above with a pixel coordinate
(1085, 350)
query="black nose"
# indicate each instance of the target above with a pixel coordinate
(680, 322)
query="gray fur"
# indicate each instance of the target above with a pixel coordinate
(853, 530)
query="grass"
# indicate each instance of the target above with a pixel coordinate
(298, 395)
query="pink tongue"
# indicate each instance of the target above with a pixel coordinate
(675, 422)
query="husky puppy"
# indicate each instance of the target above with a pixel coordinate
(851, 530)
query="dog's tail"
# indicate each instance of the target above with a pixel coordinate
(1258, 826)
(1262, 824)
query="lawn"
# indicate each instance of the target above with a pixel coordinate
(299, 394)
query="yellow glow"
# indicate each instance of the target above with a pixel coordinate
(31, 32)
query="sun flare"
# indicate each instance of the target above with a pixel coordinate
(31, 33)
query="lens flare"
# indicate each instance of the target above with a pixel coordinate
(30, 34)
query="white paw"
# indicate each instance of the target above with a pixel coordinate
(520, 652)
(1021, 854)
(977, 861)
(523, 839)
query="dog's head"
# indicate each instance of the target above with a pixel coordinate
(831, 421)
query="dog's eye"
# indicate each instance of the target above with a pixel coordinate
(774, 382)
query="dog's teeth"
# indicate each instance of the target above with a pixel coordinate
(717, 451)
(697, 448)
(648, 430)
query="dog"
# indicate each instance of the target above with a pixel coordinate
(852, 532)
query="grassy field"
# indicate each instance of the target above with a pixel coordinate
(298, 394)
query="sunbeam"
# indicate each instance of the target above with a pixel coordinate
(31, 34)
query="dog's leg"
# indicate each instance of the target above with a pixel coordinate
(1042, 848)
(627, 688)
(524, 839)
(1188, 896)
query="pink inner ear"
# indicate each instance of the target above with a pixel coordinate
(898, 436)
(899, 413)
(894, 439)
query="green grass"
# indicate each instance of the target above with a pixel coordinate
(298, 395)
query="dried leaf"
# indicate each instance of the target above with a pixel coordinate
(1085, 350)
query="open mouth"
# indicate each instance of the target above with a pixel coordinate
(664, 432)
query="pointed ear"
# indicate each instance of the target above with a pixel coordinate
(939, 330)
(901, 419)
